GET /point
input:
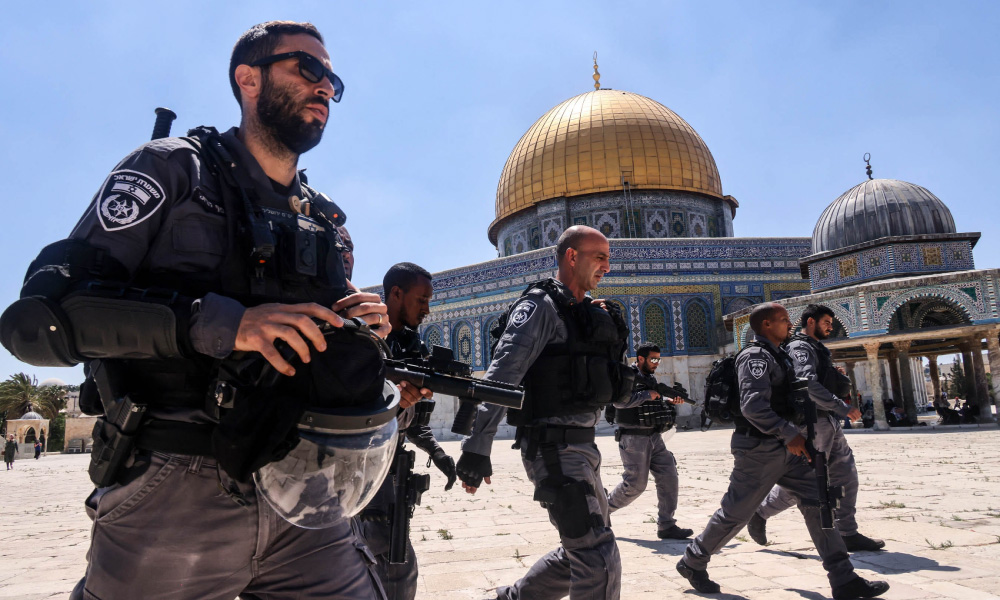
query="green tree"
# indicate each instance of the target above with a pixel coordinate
(959, 384)
(56, 438)
(20, 393)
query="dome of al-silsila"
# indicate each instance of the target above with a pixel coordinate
(880, 208)
(32, 416)
(592, 141)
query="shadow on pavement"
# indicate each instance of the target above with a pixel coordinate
(897, 562)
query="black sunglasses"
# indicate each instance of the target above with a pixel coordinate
(310, 68)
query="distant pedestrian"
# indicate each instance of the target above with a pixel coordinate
(9, 450)
(38, 449)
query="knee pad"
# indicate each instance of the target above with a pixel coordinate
(567, 503)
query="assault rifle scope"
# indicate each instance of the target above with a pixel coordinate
(442, 374)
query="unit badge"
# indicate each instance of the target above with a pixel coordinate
(801, 356)
(127, 198)
(757, 367)
(522, 313)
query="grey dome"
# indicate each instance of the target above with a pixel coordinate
(32, 416)
(880, 208)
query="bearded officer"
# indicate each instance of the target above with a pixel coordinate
(814, 362)
(769, 449)
(567, 351)
(194, 248)
(408, 289)
(641, 423)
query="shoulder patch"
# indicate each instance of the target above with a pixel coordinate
(758, 366)
(522, 313)
(801, 356)
(128, 198)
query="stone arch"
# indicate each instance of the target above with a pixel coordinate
(654, 324)
(433, 336)
(841, 318)
(942, 295)
(28, 435)
(463, 343)
(698, 324)
(738, 304)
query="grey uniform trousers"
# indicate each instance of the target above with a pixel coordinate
(840, 461)
(173, 533)
(587, 567)
(399, 580)
(759, 463)
(642, 455)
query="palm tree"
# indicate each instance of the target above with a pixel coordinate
(20, 394)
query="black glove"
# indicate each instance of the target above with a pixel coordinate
(446, 465)
(473, 467)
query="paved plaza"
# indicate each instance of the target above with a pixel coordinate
(933, 495)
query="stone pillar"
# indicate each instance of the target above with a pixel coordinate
(970, 373)
(854, 383)
(936, 377)
(871, 349)
(897, 387)
(982, 390)
(906, 379)
(993, 353)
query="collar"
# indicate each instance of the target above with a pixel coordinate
(257, 174)
(766, 342)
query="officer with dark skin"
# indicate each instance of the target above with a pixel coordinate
(813, 361)
(768, 449)
(556, 437)
(175, 524)
(643, 451)
(408, 291)
(348, 252)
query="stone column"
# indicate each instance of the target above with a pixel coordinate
(993, 353)
(906, 379)
(982, 390)
(970, 373)
(936, 377)
(894, 380)
(874, 374)
(854, 383)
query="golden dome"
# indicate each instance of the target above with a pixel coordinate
(590, 142)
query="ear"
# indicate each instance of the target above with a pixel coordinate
(249, 80)
(396, 292)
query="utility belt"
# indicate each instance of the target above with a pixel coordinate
(623, 431)
(533, 436)
(751, 431)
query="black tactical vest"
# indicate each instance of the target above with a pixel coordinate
(629, 417)
(583, 374)
(305, 266)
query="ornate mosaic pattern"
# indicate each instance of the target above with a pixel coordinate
(697, 324)
(463, 343)
(900, 258)
(655, 321)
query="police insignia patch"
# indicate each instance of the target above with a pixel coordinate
(127, 198)
(801, 356)
(522, 313)
(757, 367)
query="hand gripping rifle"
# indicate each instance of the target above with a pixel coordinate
(829, 495)
(442, 374)
(667, 391)
(409, 488)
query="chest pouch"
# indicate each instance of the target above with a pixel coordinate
(657, 414)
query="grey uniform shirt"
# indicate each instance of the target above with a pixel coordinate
(160, 210)
(533, 324)
(638, 397)
(806, 363)
(758, 373)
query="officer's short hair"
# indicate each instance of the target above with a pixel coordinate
(644, 349)
(403, 275)
(260, 41)
(815, 311)
(571, 238)
(761, 313)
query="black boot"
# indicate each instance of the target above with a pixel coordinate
(698, 578)
(757, 528)
(674, 533)
(860, 588)
(860, 542)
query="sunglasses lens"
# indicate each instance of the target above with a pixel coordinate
(311, 69)
(338, 87)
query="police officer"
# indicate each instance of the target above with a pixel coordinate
(408, 290)
(813, 361)
(642, 420)
(769, 449)
(192, 249)
(348, 252)
(567, 351)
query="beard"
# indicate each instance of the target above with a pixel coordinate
(821, 335)
(280, 117)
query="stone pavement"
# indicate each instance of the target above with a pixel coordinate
(933, 495)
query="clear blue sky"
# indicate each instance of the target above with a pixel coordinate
(787, 95)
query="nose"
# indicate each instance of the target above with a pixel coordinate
(324, 88)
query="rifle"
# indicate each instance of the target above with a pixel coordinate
(442, 374)
(409, 488)
(829, 495)
(667, 391)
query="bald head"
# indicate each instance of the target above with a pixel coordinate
(576, 237)
(770, 320)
